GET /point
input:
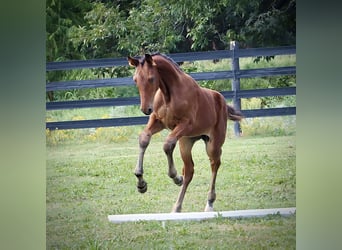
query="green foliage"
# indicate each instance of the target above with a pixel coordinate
(150, 27)
(103, 29)
(276, 24)
(98, 29)
(61, 16)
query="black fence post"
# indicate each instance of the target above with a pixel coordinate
(234, 46)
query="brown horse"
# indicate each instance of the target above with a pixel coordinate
(175, 101)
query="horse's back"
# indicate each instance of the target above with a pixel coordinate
(217, 104)
(204, 109)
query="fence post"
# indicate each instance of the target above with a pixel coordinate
(234, 46)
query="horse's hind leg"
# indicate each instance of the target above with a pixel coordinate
(185, 146)
(214, 151)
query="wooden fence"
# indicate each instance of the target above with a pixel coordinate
(235, 74)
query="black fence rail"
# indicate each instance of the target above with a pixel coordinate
(235, 74)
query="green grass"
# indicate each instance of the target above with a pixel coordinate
(88, 180)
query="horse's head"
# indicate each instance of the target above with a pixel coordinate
(146, 78)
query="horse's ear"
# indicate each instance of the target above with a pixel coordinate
(133, 62)
(149, 60)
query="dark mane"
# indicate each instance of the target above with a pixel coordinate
(142, 61)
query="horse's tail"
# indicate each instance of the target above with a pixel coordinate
(234, 114)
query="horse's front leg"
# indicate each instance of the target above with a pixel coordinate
(169, 147)
(153, 126)
(179, 131)
(144, 140)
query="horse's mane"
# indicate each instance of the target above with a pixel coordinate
(165, 57)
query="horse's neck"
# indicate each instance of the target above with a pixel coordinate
(165, 88)
(167, 71)
(173, 80)
(170, 80)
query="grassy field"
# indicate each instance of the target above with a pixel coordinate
(90, 179)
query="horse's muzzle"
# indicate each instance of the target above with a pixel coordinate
(147, 111)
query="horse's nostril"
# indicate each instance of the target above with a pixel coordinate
(147, 112)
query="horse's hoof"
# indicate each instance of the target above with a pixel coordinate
(176, 209)
(142, 187)
(209, 208)
(178, 180)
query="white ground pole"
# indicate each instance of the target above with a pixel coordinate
(121, 218)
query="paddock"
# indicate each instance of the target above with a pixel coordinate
(87, 181)
(90, 183)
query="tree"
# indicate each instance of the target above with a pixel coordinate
(96, 29)
(273, 24)
(61, 16)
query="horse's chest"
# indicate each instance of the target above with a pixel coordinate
(168, 117)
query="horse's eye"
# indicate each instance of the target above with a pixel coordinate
(151, 79)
